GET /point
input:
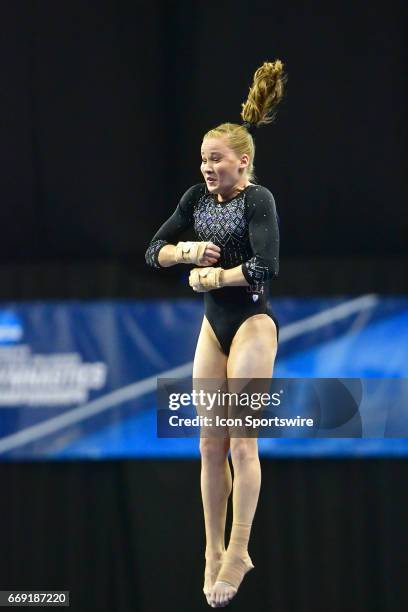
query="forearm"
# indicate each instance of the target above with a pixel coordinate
(233, 277)
(167, 256)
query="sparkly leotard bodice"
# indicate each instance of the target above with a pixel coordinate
(244, 227)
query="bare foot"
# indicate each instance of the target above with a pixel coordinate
(213, 564)
(223, 591)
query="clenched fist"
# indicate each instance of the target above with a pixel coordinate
(205, 279)
(199, 253)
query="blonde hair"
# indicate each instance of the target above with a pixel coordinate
(266, 92)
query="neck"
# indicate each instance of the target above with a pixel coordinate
(221, 197)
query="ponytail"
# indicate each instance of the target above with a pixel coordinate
(265, 93)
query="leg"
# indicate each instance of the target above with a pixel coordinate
(216, 480)
(252, 355)
(253, 348)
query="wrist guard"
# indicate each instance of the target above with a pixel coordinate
(190, 252)
(205, 279)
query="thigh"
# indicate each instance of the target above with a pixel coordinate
(252, 357)
(253, 349)
(209, 360)
(210, 376)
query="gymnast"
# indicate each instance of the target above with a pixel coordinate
(235, 255)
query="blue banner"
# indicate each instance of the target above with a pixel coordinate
(79, 379)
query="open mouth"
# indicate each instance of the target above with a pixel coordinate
(211, 180)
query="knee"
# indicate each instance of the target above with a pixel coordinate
(214, 450)
(243, 449)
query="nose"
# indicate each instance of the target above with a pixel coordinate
(206, 165)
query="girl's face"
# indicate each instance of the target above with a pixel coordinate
(220, 166)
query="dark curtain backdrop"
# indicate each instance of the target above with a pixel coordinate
(102, 110)
(129, 536)
(105, 104)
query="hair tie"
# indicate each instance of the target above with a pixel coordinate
(251, 127)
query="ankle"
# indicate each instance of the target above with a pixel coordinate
(237, 552)
(214, 553)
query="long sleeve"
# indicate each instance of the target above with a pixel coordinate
(263, 231)
(169, 232)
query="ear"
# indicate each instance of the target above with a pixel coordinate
(244, 161)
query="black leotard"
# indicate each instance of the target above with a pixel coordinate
(246, 229)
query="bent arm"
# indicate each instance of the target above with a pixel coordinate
(264, 240)
(161, 250)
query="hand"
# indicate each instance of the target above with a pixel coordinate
(198, 253)
(211, 255)
(205, 279)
